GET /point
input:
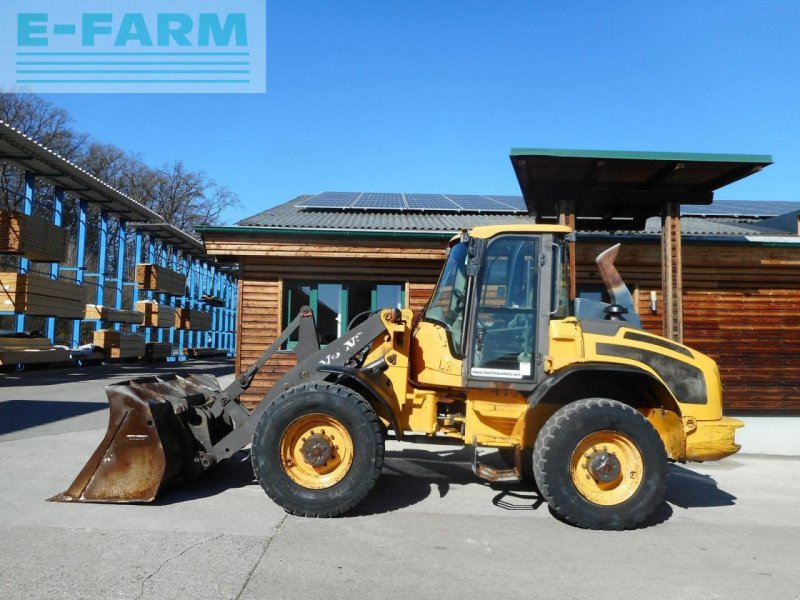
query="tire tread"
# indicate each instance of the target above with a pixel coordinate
(553, 429)
(370, 416)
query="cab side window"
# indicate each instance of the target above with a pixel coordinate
(505, 326)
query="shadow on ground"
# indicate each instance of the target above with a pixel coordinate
(236, 472)
(687, 489)
(17, 415)
(413, 475)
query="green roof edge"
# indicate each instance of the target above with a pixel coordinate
(643, 155)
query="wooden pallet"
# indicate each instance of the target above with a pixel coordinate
(112, 315)
(187, 318)
(41, 296)
(119, 344)
(31, 237)
(155, 278)
(156, 315)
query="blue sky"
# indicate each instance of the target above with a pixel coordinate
(424, 96)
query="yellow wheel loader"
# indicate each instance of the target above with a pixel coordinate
(574, 394)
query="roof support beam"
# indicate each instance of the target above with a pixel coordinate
(672, 271)
(566, 216)
(662, 175)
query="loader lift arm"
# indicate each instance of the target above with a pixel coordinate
(314, 364)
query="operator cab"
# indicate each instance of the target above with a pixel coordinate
(489, 302)
(498, 291)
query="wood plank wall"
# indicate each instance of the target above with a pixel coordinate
(741, 303)
(263, 270)
(741, 306)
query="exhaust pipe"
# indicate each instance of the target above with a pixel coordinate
(617, 290)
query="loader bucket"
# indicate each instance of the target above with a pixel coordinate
(150, 443)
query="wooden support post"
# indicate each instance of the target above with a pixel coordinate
(566, 216)
(672, 271)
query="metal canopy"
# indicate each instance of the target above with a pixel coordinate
(173, 236)
(29, 155)
(620, 190)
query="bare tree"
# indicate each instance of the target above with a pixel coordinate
(185, 198)
(46, 123)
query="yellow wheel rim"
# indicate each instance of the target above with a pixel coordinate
(316, 451)
(607, 467)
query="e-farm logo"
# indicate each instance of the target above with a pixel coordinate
(183, 46)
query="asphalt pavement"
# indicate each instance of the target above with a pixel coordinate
(430, 529)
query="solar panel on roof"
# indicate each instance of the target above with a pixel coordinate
(429, 202)
(418, 202)
(744, 208)
(330, 200)
(515, 202)
(379, 201)
(480, 204)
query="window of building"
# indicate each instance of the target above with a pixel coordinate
(335, 305)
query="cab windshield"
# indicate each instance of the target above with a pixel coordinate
(446, 306)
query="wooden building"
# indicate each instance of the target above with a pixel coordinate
(740, 267)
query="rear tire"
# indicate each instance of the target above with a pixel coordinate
(600, 465)
(318, 449)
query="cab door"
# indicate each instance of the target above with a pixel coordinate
(510, 304)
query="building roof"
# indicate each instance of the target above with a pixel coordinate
(290, 215)
(731, 218)
(619, 190)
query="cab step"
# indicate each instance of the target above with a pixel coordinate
(495, 474)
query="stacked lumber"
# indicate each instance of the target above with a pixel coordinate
(155, 314)
(18, 350)
(41, 296)
(157, 350)
(213, 300)
(155, 278)
(33, 238)
(112, 315)
(190, 318)
(119, 344)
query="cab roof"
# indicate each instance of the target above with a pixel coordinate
(489, 231)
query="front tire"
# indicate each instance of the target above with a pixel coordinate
(318, 449)
(600, 464)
